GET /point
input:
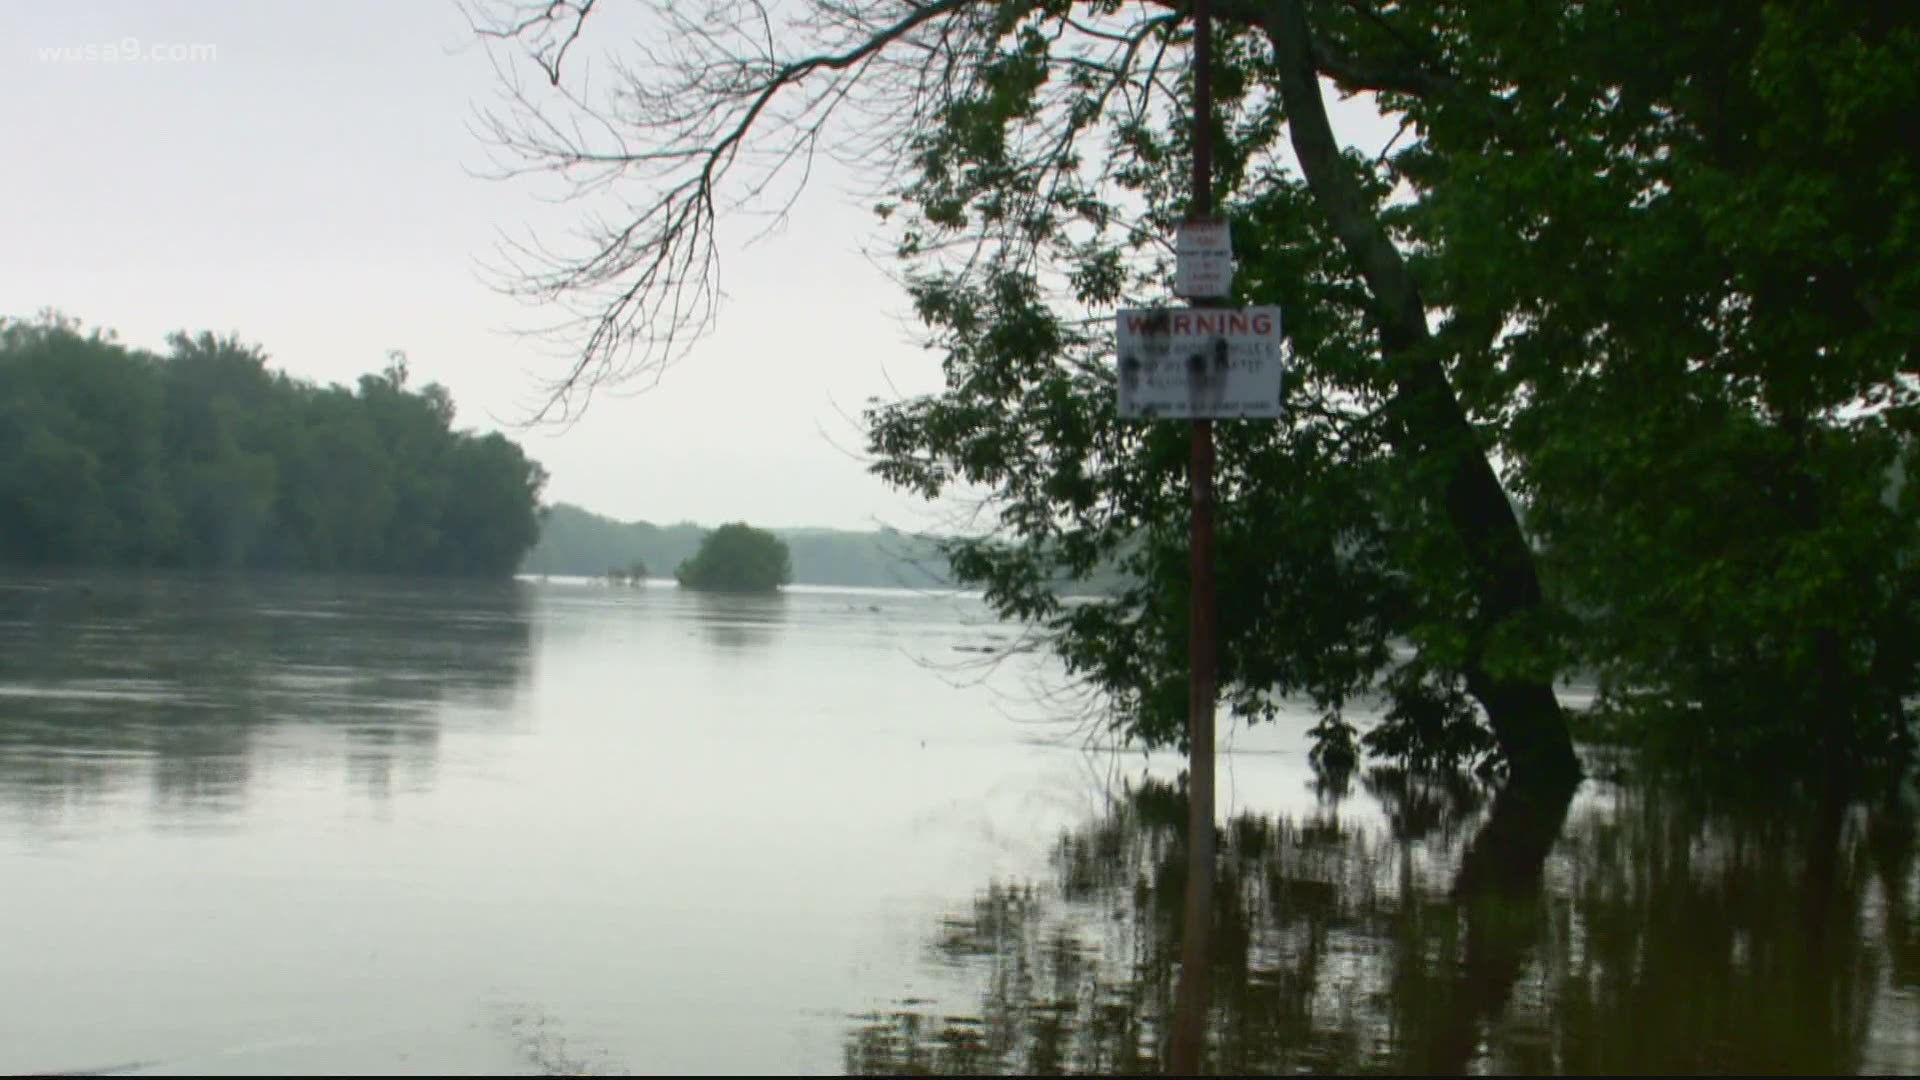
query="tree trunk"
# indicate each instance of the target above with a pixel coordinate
(1498, 891)
(1525, 716)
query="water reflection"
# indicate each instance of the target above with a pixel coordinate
(1630, 930)
(735, 621)
(188, 683)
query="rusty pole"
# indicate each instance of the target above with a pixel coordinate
(1190, 1001)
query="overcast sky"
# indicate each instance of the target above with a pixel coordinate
(310, 185)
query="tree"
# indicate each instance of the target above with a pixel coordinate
(337, 502)
(1607, 278)
(737, 558)
(634, 573)
(203, 458)
(1704, 254)
(487, 520)
(993, 108)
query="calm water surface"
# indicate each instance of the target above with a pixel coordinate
(347, 826)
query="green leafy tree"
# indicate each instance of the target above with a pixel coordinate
(1700, 247)
(219, 420)
(1611, 275)
(81, 460)
(204, 458)
(337, 496)
(487, 522)
(737, 558)
(1045, 141)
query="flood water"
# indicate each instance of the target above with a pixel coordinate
(311, 825)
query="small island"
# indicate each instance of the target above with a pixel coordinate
(737, 557)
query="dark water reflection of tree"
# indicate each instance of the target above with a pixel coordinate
(1634, 929)
(177, 678)
(732, 622)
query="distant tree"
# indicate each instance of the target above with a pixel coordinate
(738, 558)
(204, 458)
(634, 573)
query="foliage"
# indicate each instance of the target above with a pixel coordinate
(1337, 533)
(1705, 250)
(1030, 169)
(738, 558)
(204, 459)
(1686, 347)
(1643, 275)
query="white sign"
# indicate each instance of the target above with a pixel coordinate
(1188, 363)
(1202, 260)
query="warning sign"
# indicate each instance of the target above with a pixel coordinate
(1202, 260)
(1188, 363)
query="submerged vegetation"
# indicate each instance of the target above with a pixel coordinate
(737, 558)
(634, 573)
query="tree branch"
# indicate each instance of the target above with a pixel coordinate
(1433, 431)
(1401, 311)
(713, 98)
(722, 112)
(1407, 74)
(1411, 79)
(541, 23)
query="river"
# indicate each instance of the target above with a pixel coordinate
(348, 826)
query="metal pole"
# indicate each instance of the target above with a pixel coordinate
(1190, 1000)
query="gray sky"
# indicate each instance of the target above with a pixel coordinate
(309, 185)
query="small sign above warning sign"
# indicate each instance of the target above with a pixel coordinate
(1189, 363)
(1202, 260)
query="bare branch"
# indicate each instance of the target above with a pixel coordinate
(712, 117)
(549, 30)
(720, 109)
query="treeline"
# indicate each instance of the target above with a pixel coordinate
(202, 458)
(574, 541)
